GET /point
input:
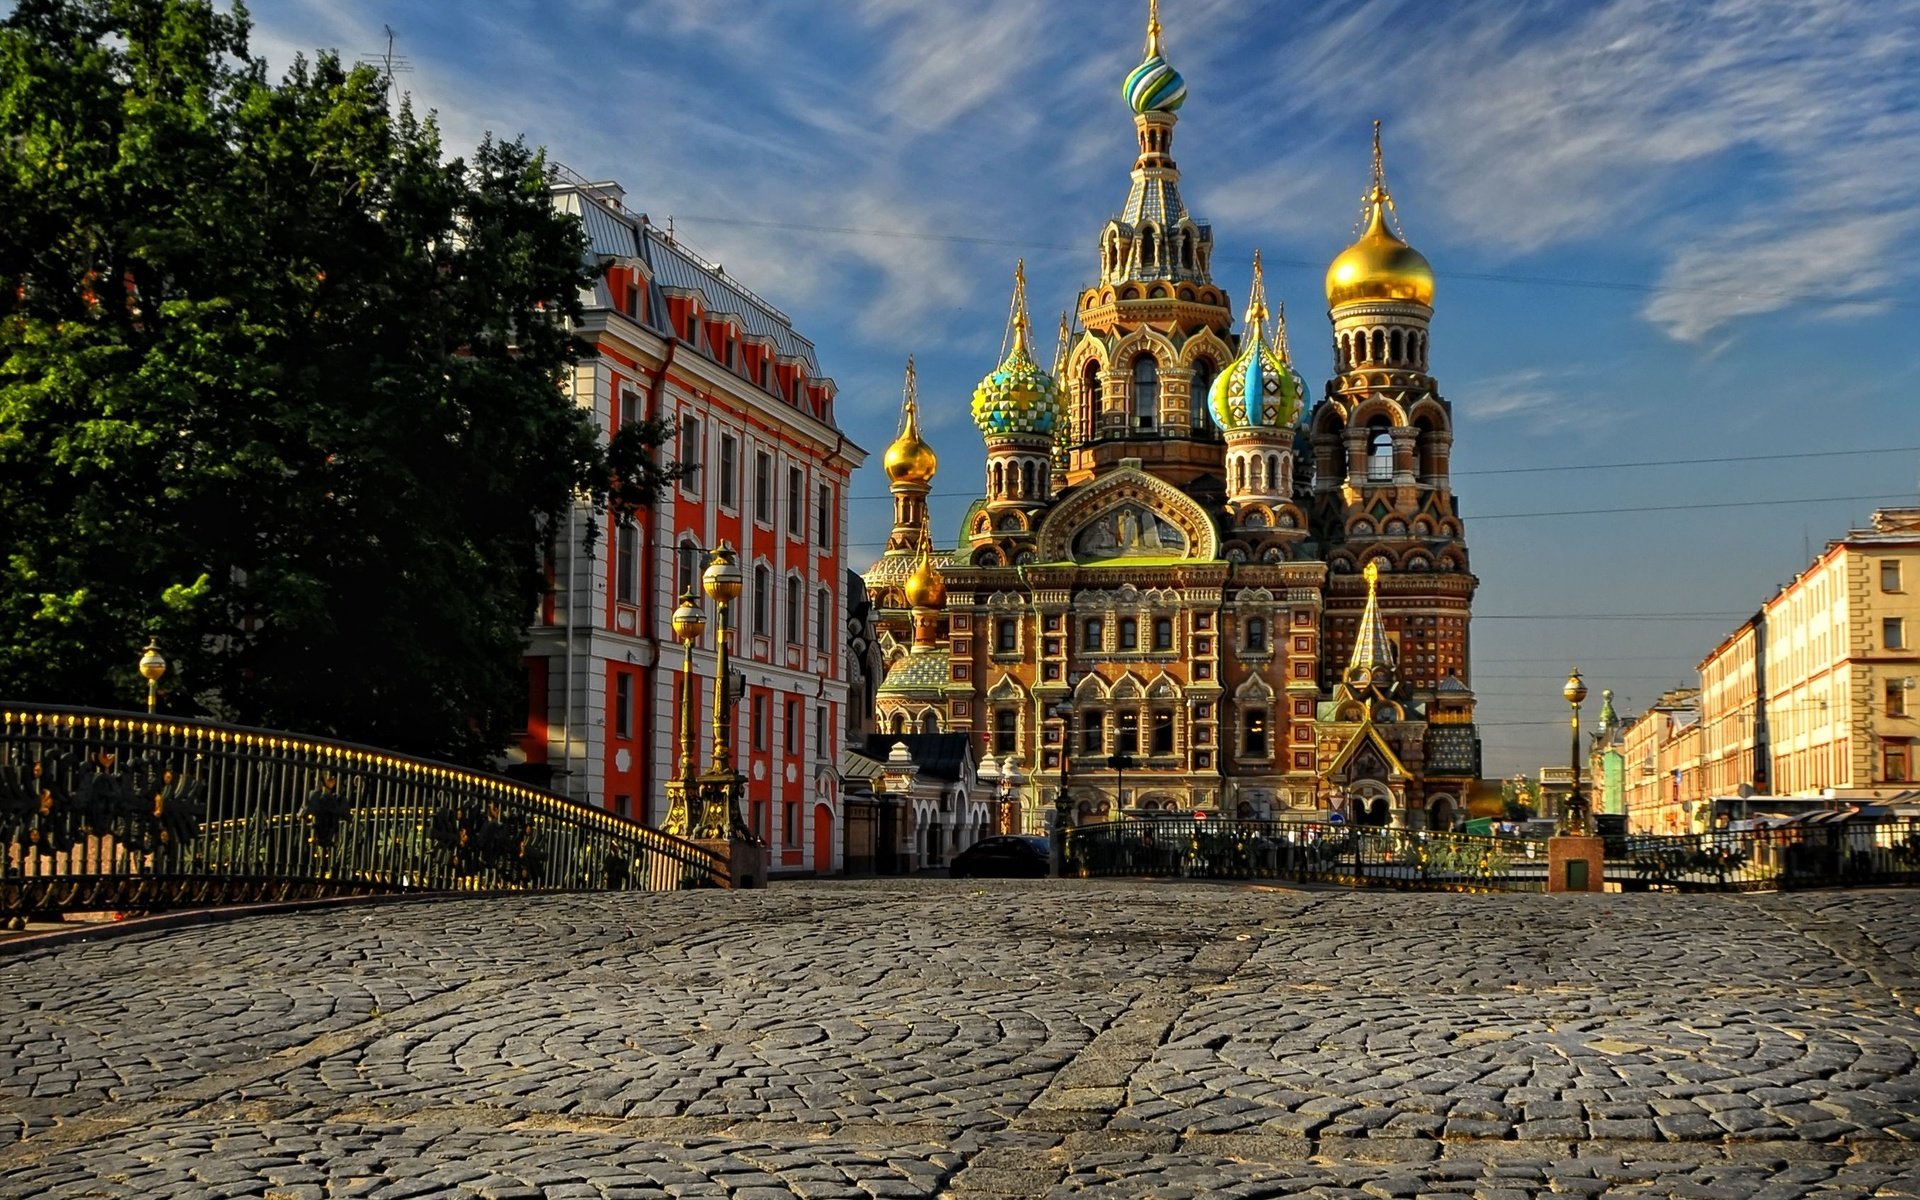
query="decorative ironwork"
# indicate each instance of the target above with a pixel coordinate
(1308, 852)
(113, 810)
(1836, 852)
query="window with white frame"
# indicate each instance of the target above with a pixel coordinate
(763, 487)
(689, 451)
(729, 471)
(687, 569)
(626, 563)
(1889, 574)
(823, 621)
(796, 610)
(823, 518)
(796, 508)
(762, 601)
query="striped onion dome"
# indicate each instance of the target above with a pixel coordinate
(1154, 86)
(1259, 387)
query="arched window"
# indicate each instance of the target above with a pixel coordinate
(1186, 249)
(1379, 347)
(688, 570)
(1344, 351)
(1380, 456)
(1240, 469)
(995, 479)
(1146, 391)
(1273, 472)
(1203, 374)
(1393, 347)
(823, 622)
(1090, 399)
(796, 607)
(1027, 486)
(930, 723)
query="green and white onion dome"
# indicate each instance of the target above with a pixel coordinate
(1154, 86)
(1018, 397)
(1259, 387)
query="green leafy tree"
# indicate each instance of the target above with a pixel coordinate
(278, 385)
(1521, 796)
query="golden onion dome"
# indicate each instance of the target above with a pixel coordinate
(910, 460)
(1379, 266)
(925, 588)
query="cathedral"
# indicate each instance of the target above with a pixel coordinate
(1189, 586)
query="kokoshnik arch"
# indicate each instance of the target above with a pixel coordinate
(1188, 586)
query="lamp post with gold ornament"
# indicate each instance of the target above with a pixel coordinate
(153, 667)
(720, 818)
(1574, 820)
(689, 622)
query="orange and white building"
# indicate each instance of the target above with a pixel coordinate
(674, 337)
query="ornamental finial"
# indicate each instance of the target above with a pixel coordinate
(1373, 577)
(1018, 325)
(1379, 201)
(1257, 298)
(1280, 331)
(910, 404)
(1153, 27)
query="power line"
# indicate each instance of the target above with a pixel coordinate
(1567, 468)
(1610, 285)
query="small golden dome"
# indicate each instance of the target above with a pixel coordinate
(910, 460)
(1379, 266)
(925, 588)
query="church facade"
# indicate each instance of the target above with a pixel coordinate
(1189, 585)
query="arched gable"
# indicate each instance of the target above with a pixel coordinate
(1205, 343)
(1128, 490)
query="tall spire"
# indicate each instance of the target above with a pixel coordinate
(1153, 28)
(910, 403)
(1280, 332)
(1378, 205)
(1257, 298)
(1019, 326)
(1372, 661)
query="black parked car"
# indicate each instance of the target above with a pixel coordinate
(1019, 855)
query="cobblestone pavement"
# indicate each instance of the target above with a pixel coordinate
(978, 1039)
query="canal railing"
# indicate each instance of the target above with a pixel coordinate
(117, 811)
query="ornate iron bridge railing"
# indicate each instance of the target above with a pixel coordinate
(1307, 852)
(1841, 853)
(104, 810)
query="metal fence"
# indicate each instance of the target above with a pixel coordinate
(1307, 852)
(1841, 853)
(105, 810)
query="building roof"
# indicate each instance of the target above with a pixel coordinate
(940, 755)
(925, 668)
(613, 231)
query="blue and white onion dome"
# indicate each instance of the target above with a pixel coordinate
(1019, 397)
(1154, 86)
(1259, 387)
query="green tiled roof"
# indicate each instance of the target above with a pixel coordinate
(923, 670)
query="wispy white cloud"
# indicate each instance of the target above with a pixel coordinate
(1537, 400)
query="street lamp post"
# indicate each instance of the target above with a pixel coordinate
(1120, 762)
(720, 818)
(1574, 820)
(688, 624)
(153, 667)
(1062, 801)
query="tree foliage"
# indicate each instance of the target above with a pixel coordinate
(278, 385)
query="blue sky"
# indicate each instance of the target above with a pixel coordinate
(1663, 231)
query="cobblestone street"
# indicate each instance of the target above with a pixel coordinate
(976, 1039)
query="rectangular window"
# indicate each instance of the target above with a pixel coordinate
(790, 823)
(729, 471)
(820, 746)
(1005, 730)
(1127, 730)
(823, 622)
(1006, 635)
(1129, 633)
(1896, 697)
(823, 518)
(688, 453)
(1898, 764)
(1256, 635)
(1163, 633)
(762, 601)
(623, 705)
(687, 570)
(796, 605)
(626, 563)
(1093, 632)
(1889, 574)
(758, 725)
(763, 487)
(793, 727)
(623, 805)
(1162, 731)
(1255, 742)
(1893, 633)
(796, 511)
(1093, 733)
